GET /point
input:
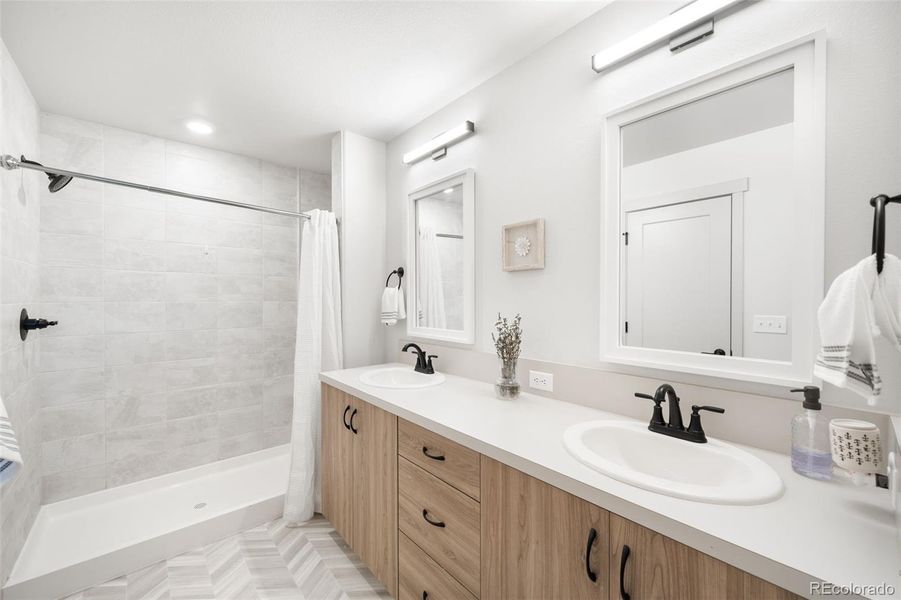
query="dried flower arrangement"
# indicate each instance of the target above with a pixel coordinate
(508, 339)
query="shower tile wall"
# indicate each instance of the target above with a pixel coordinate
(20, 498)
(175, 346)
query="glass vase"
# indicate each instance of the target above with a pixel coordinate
(507, 387)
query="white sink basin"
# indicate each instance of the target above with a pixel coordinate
(714, 472)
(401, 378)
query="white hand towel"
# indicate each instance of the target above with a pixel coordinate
(393, 309)
(10, 459)
(860, 306)
(401, 305)
(888, 300)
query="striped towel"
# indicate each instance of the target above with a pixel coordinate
(860, 306)
(393, 309)
(10, 459)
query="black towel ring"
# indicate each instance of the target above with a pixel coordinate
(399, 271)
(878, 203)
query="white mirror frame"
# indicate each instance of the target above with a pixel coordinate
(807, 56)
(467, 335)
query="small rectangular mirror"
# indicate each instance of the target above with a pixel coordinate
(440, 255)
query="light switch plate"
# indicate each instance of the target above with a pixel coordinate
(770, 324)
(541, 381)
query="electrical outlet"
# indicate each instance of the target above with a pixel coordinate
(770, 324)
(541, 381)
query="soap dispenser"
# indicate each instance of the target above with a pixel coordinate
(811, 455)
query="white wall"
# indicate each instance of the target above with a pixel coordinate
(20, 192)
(537, 153)
(358, 200)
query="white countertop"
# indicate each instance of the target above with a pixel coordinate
(816, 531)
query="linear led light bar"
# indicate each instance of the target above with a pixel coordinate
(441, 142)
(685, 18)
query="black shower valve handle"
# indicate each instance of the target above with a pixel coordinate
(27, 324)
(39, 323)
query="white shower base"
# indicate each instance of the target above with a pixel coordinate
(85, 541)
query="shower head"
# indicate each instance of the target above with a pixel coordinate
(57, 181)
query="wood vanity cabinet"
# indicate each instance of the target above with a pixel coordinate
(435, 520)
(539, 541)
(656, 567)
(359, 479)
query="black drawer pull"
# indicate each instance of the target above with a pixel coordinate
(425, 515)
(592, 536)
(622, 573)
(425, 595)
(344, 418)
(352, 415)
(425, 450)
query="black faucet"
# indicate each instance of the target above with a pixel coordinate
(675, 428)
(423, 360)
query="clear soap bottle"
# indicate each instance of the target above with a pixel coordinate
(811, 455)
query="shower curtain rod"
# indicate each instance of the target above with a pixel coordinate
(10, 163)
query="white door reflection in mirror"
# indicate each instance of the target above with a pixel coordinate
(679, 276)
(440, 251)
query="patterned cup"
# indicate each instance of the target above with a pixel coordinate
(855, 445)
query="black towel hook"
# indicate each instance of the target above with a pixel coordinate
(878, 203)
(399, 271)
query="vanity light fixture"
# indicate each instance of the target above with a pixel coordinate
(449, 191)
(687, 17)
(437, 146)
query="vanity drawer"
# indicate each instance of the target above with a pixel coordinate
(447, 460)
(421, 577)
(441, 520)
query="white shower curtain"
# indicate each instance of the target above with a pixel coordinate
(431, 282)
(318, 348)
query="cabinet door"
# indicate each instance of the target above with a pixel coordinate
(658, 567)
(375, 492)
(535, 539)
(337, 461)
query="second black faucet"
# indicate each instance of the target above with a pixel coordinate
(423, 360)
(675, 427)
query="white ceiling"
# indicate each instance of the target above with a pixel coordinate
(277, 79)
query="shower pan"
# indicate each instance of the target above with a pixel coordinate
(84, 541)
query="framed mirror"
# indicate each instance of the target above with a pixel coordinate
(713, 222)
(440, 259)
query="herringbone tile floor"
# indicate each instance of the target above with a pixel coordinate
(271, 562)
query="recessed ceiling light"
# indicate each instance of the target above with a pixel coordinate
(198, 126)
(449, 191)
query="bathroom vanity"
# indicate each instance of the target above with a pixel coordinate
(447, 492)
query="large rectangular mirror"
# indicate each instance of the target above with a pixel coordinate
(716, 215)
(440, 255)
